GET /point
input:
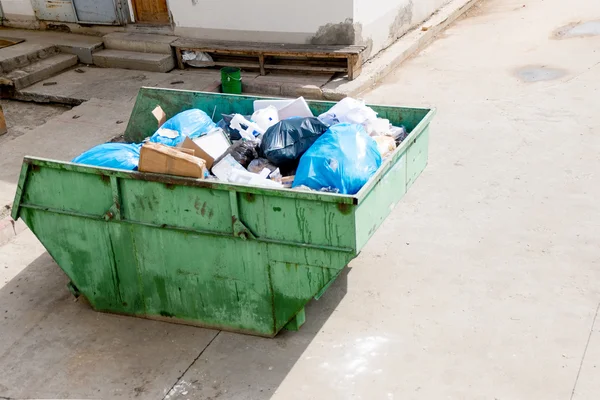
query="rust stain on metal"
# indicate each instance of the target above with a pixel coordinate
(105, 179)
(170, 186)
(344, 208)
(250, 197)
(56, 3)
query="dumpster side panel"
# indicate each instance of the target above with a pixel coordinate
(298, 221)
(84, 252)
(380, 202)
(418, 155)
(209, 281)
(66, 190)
(173, 205)
(294, 285)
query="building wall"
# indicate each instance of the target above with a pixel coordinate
(375, 23)
(378, 23)
(19, 14)
(264, 20)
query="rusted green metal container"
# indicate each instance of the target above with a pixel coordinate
(199, 252)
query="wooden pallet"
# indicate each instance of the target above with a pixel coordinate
(277, 57)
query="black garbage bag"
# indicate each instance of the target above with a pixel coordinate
(243, 151)
(284, 143)
(224, 124)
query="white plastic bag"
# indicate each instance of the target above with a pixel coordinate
(197, 58)
(348, 110)
(378, 127)
(385, 145)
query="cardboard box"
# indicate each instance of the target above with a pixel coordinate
(161, 159)
(160, 115)
(209, 147)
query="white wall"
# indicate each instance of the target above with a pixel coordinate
(18, 14)
(294, 21)
(377, 23)
(381, 22)
(17, 7)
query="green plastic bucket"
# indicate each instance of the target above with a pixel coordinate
(231, 80)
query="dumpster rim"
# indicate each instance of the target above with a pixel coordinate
(29, 161)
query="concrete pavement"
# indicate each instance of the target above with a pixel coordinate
(482, 284)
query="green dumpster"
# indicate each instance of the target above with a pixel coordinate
(200, 252)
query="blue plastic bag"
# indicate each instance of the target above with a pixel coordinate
(112, 155)
(343, 158)
(191, 123)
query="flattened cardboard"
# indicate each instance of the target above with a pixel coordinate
(196, 145)
(161, 159)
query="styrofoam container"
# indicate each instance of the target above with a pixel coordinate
(278, 104)
(297, 108)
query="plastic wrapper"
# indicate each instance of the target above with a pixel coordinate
(191, 123)
(399, 133)
(112, 155)
(354, 111)
(197, 58)
(242, 151)
(229, 170)
(343, 159)
(259, 164)
(224, 124)
(385, 144)
(266, 117)
(285, 142)
(348, 110)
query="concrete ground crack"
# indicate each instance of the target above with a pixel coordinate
(585, 351)
(168, 394)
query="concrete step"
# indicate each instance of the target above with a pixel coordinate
(152, 62)
(139, 42)
(23, 54)
(81, 45)
(37, 71)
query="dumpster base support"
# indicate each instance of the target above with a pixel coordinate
(296, 322)
(73, 289)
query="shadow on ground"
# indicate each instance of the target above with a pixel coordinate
(56, 347)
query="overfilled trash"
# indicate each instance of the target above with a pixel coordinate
(344, 158)
(285, 142)
(111, 155)
(191, 123)
(281, 145)
(354, 111)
